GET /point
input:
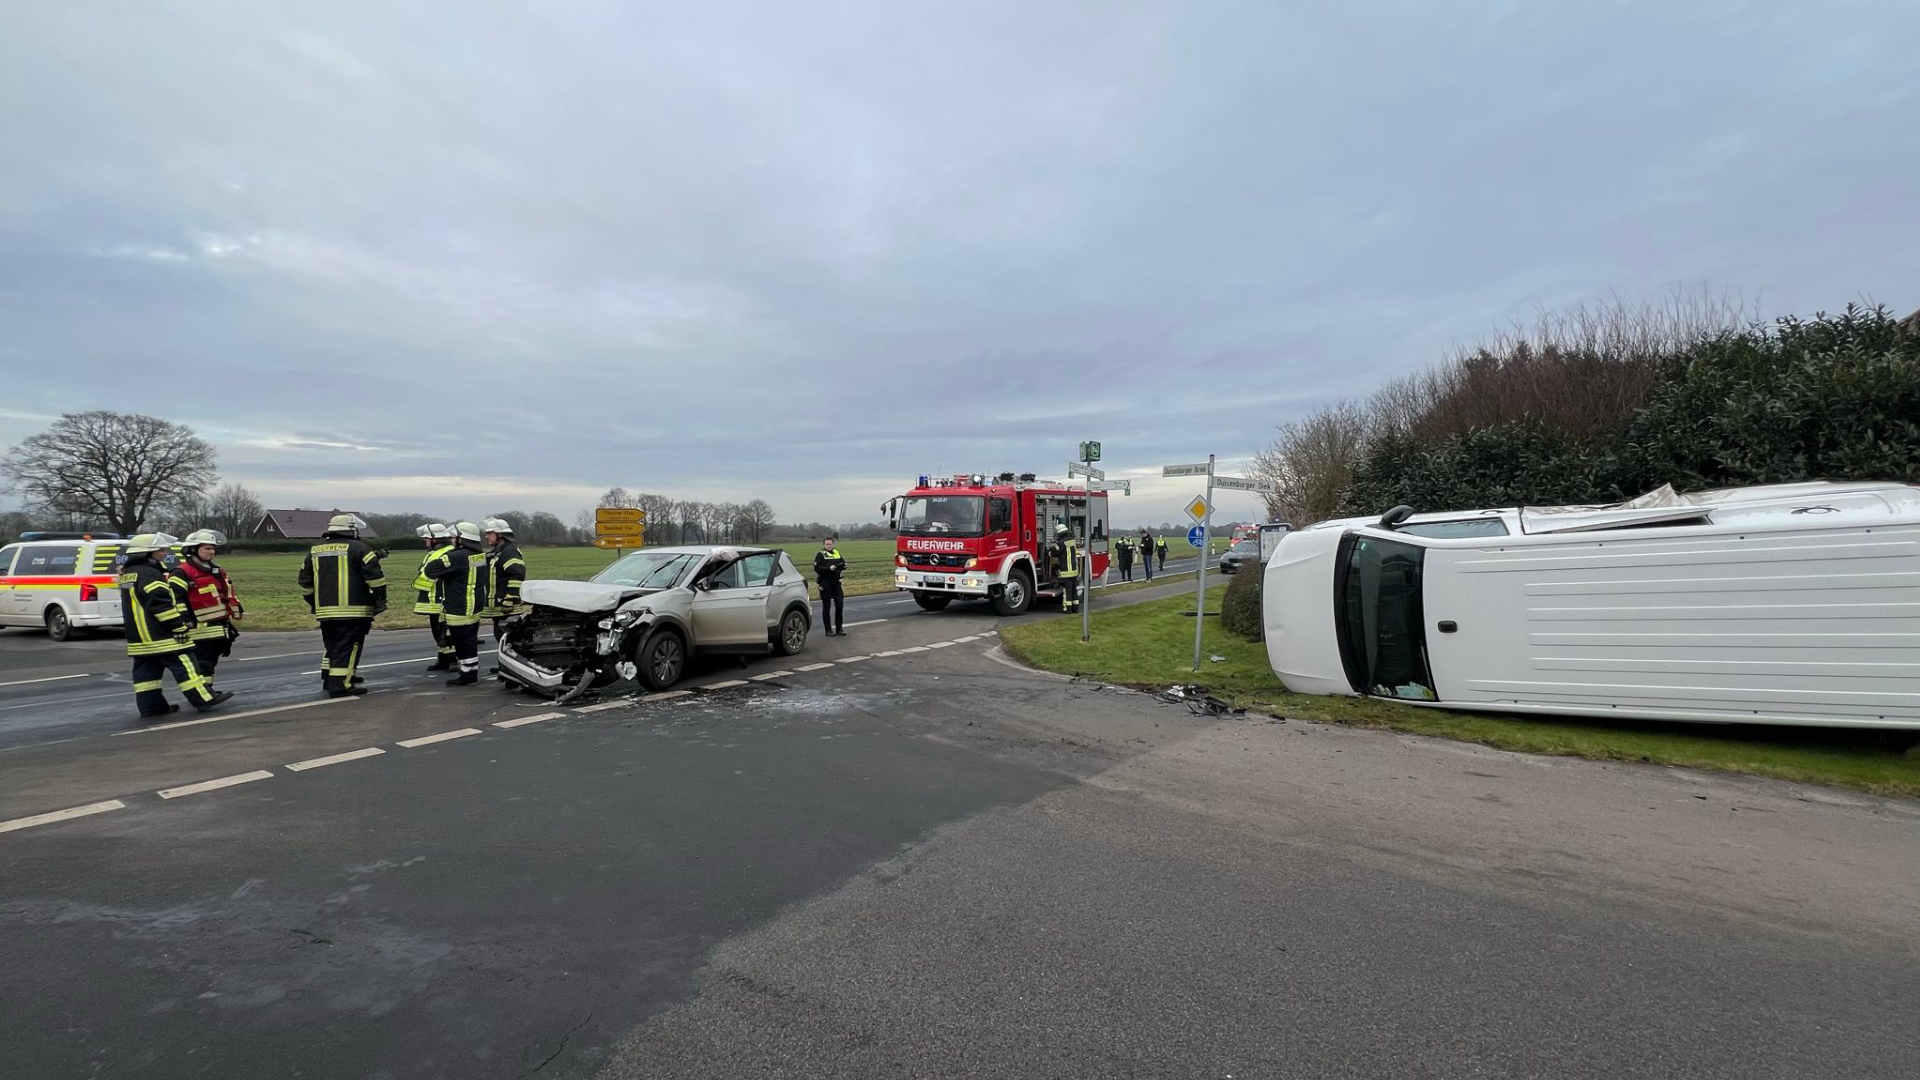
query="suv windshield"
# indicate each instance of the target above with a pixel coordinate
(647, 569)
(943, 515)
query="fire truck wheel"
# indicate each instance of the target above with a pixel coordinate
(58, 626)
(931, 601)
(1016, 595)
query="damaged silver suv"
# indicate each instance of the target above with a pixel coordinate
(643, 617)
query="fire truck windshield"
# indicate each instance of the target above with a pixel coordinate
(943, 515)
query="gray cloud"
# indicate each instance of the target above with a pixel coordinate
(797, 251)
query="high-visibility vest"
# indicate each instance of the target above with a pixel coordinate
(505, 571)
(342, 579)
(426, 593)
(460, 573)
(211, 597)
(1069, 559)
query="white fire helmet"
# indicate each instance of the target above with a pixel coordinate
(467, 530)
(145, 543)
(434, 531)
(205, 536)
(347, 524)
(497, 525)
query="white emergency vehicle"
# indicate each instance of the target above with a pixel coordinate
(62, 585)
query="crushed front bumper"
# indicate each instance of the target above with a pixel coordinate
(527, 673)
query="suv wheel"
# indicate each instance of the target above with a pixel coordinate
(59, 627)
(662, 659)
(792, 634)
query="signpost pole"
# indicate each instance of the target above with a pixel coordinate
(1206, 542)
(1086, 565)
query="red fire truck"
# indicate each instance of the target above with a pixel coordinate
(979, 537)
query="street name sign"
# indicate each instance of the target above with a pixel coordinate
(1074, 468)
(1184, 470)
(1238, 483)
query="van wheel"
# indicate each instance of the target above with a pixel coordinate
(793, 633)
(59, 627)
(932, 601)
(661, 658)
(1016, 596)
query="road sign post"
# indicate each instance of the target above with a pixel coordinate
(1089, 453)
(1206, 541)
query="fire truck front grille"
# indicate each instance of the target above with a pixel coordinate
(953, 561)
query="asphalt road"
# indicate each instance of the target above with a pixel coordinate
(918, 860)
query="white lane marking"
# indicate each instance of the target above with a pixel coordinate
(234, 716)
(916, 648)
(771, 675)
(724, 685)
(619, 703)
(62, 815)
(214, 785)
(890, 603)
(49, 678)
(878, 655)
(813, 667)
(336, 759)
(394, 663)
(274, 656)
(521, 721)
(940, 644)
(862, 622)
(665, 694)
(442, 736)
(853, 659)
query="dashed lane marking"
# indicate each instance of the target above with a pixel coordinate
(915, 648)
(62, 815)
(336, 759)
(764, 676)
(813, 667)
(665, 694)
(49, 678)
(724, 685)
(214, 785)
(617, 703)
(442, 736)
(853, 659)
(233, 716)
(522, 721)
(890, 603)
(878, 655)
(940, 644)
(863, 622)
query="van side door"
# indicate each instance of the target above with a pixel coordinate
(6, 583)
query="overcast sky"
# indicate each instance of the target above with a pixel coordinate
(436, 256)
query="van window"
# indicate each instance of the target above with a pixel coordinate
(6, 556)
(46, 559)
(1383, 640)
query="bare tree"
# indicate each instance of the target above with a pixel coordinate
(583, 526)
(618, 496)
(759, 519)
(234, 511)
(660, 513)
(113, 467)
(690, 514)
(1311, 462)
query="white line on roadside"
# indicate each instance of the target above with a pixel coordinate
(723, 685)
(214, 785)
(617, 703)
(49, 678)
(442, 736)
(914, 648)
(336, 759)
(62, 815)
(813, 667)
(412, 660)
(522, 721)
(878, 655)
(665, 694)
(941, 644)
(771, 675)
(274, 656)
(890, 603)
(233, 716)
(863, 622)
(852, 659)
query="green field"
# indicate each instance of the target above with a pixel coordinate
(1150, 646)
(269, 586)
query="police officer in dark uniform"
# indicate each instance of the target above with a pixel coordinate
(460, 573)
(345, 588)
(828, 566)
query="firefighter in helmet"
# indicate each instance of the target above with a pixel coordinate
(1066, 566)
(159, 629)
(426, 594)
(459, 572)
(216, 607)
(345, 588)
(505, 571)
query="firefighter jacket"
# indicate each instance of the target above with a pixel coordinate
(211, 597)
(460, 574)
(153, 609)
(1066, 558)
(341, 579)
(426, 592)
(828, 566)
(505, 571)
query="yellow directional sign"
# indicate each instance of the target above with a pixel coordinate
(614, 541)
(618, 515)
(1198, 509)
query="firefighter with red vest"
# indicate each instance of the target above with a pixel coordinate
(159, 627)
(216, 607)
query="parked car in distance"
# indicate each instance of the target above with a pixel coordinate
(1240, 554)
(644, 617)
(62, 585)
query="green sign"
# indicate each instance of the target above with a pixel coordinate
(1090, 451)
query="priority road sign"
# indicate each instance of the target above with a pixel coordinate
(1199, 508)
(1196, 536)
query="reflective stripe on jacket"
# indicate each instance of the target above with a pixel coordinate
(460, 575)
(426, 594)
(153, 608)
(505, 571)
(342, 579)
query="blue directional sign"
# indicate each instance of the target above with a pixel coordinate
(1195, 536)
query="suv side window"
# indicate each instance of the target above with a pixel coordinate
(47, 559)
(727, 577)
(759, 569)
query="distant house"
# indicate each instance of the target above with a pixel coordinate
(294, 524)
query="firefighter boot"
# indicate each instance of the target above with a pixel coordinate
(465, 678)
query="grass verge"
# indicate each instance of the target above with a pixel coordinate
(1149, 646)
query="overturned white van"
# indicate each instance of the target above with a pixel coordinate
(1782, 604)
